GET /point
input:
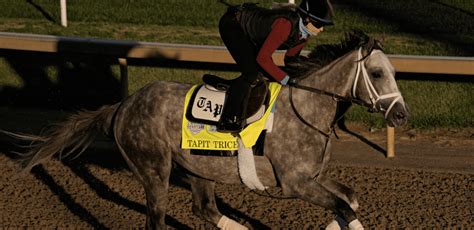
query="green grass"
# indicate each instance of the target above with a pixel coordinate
(422, 27)
(144, 12)
(433, 104)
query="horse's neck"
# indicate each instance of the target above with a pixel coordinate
(337, 77)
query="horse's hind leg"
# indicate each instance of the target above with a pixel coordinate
(153, 172)
(340, 190)
(204, 200)
(204, 204)
(156, 191)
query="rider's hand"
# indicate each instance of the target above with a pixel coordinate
(285, 80)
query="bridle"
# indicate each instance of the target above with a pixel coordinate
(374, 96)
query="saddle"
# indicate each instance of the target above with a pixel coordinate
(204, 104)
(216, 88)
(259, 94)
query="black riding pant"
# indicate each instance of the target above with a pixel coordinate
(244, 53)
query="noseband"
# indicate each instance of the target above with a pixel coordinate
(374, 96)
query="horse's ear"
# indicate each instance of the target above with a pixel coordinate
(369, 46)
(381, 41)
(379, 44)
(371, 43)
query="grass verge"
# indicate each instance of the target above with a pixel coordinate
(408, 27)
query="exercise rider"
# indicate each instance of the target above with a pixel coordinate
(252, 34)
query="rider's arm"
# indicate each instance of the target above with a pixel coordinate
(278, 35)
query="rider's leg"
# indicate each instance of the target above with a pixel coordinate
(244, 53)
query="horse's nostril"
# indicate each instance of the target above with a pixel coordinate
(400, 115)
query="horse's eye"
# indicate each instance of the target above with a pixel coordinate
(377, 74)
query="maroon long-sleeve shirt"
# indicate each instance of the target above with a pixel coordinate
(281, 29)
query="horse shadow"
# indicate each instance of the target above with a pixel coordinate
(342, 126)
(106, 155)
(342, 109)
(104, 191)
(116, 162)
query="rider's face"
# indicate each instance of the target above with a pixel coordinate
(313, 29)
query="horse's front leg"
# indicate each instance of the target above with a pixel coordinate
(340, 190)
(204, 204)
(310, 190)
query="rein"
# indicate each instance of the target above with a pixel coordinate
(333, 95)
(298, 115)
(373, 95)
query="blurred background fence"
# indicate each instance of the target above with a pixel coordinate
(63, 81)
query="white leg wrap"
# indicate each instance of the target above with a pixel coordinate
(247, 171)
(337, 224)
(355, 225)
(226, 223)
(333, 226)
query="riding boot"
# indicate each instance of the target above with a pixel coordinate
(233, 116)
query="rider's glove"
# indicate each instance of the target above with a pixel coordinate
(285, 80)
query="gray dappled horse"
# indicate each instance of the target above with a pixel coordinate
(147, 130)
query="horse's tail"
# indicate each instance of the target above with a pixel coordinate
(64, 138)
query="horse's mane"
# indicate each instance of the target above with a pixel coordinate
(322, 55)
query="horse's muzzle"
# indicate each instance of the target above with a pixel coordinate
(398, 115)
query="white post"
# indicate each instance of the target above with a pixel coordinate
(390, 142)
(63, 13)
(291, 1)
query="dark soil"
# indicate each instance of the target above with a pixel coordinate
(429, 184)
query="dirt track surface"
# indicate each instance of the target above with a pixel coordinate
(429, 184)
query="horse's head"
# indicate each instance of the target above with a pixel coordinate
(362, 72)
(374, 84)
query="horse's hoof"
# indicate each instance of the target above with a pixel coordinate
(354, 205)
(334, 225)
(355, 225)
(226, 223)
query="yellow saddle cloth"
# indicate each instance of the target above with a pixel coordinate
(202, 136)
